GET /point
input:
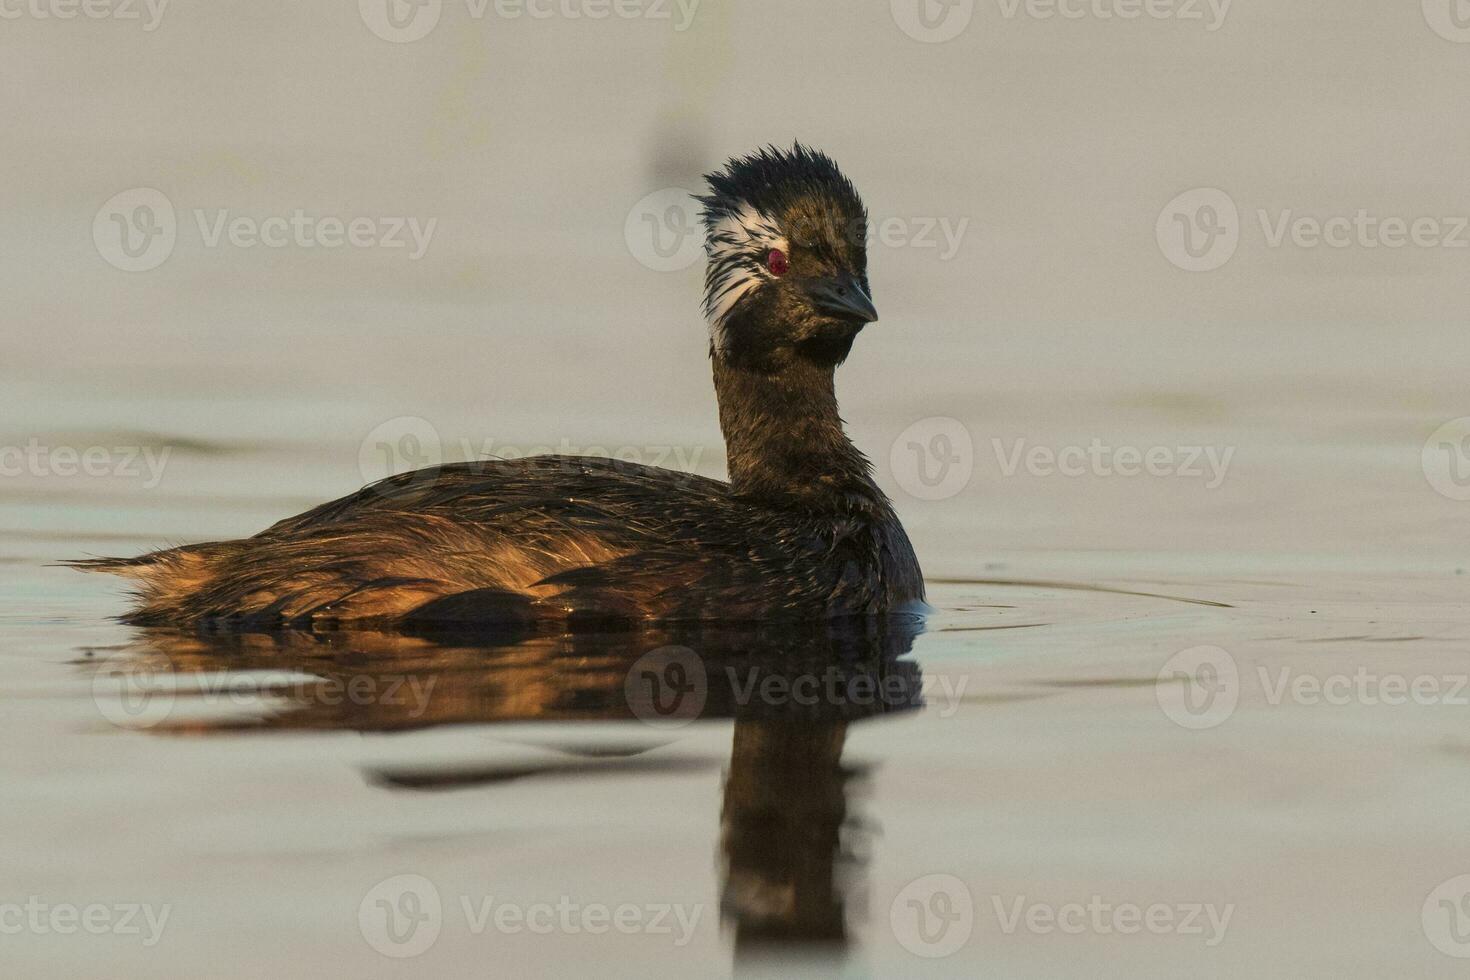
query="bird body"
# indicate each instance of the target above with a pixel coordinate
(801, 531)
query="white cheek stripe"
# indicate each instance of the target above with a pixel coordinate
(736, 248)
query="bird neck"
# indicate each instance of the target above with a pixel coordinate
(784, 440)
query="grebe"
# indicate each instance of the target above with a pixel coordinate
(801, 531)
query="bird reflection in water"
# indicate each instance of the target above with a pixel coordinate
(788, 828)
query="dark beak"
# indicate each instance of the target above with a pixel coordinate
(843, 296)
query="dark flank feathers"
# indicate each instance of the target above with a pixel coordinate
(489, 542)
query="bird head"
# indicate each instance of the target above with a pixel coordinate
(787, 275)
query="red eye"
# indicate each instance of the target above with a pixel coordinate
(777, 262)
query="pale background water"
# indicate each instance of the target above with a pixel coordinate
(1056, 316)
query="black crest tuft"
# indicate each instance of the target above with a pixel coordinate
(782, 184)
